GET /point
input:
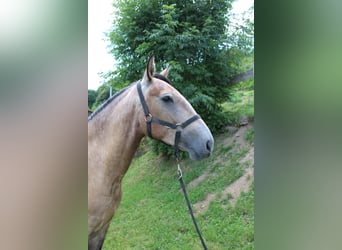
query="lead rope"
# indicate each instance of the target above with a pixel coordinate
(181, 182)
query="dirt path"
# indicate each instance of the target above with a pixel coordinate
(240, 185)
(243, 183)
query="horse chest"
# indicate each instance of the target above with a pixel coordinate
(115, 190)
(106, 205)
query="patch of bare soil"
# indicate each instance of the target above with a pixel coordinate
(196, 181)
(242, 184)
(238, 137)
(202, 206)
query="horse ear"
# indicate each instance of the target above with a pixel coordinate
(165, 72)
(150, 68)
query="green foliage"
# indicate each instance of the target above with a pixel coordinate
(249, 135)
(245, 85)
(160, 148)
(91, 97)
(102, 94)
(240, 40)
(240, 103)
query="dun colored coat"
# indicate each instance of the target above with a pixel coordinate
(114, 133)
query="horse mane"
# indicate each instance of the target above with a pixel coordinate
(109, 100)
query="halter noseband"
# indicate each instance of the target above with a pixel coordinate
(149, 118)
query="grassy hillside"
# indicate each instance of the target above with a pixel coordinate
(153, 213)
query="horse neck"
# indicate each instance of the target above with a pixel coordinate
(115, 135)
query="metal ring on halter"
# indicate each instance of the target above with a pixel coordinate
(148, 118)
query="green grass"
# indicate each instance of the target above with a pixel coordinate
(249, 135)
(153, 213)
(241, 102)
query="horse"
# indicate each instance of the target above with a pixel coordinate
(149, 107)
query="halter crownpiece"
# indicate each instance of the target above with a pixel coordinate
(149, 118)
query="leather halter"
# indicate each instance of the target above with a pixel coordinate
(149, 118)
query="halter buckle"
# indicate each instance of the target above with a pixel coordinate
(179, 127)
(148, 118)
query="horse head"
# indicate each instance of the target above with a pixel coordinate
(166, 104)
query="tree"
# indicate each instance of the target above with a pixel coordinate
(102, 96)
(189, 35)
(91, 97)
(240, 41)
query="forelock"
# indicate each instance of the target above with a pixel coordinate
(163, 78)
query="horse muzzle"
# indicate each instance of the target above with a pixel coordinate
(198, 145)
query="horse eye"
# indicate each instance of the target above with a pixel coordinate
(167, 98)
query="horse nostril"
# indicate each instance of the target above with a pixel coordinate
(209, 145)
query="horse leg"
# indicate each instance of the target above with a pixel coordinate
(96, 240)
(100, 218)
